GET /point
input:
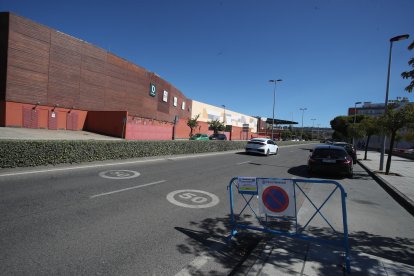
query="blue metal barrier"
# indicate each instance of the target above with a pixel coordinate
(248, 195)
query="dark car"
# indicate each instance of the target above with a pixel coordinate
(218, 136)
(330, 159)
(350, 149)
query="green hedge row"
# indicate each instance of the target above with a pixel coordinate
(27, 153)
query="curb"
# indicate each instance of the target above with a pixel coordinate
(404, 201)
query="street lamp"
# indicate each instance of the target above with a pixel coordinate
(313, 124)
(394, 39)
(303, 112)
(274, 96)
(224, 114)
(319, 136)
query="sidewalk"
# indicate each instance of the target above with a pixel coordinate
(399, 183)
(46, 134)
(286, 256)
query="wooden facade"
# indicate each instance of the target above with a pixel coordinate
(44, 67)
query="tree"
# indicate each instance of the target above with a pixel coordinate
(216, 126)
(392, 122)
(340, 126)
(192, 124)
(369, 126)
(409, 74)
(286, 134)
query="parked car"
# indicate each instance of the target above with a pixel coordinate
(199, 136)
(218, 136)
(350, 149)
(330, 159)
(262, 146)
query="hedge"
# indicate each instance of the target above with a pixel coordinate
(29, 153)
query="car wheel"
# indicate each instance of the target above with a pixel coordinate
(276, 151)
(268, 152)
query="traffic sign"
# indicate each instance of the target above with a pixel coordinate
(276, 197)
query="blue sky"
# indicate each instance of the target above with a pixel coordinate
(330, 54)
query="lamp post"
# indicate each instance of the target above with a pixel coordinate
(303, 112)
(313, 124)
(224, 114)
(274, 96)
(394, 39)
(319, 136)
(355, 112)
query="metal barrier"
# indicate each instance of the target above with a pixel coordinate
(274, 201)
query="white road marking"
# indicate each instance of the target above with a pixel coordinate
(192, 267)
(113, 164)
(243, 163)
(193, 199)
(119, 174)
(127, 189)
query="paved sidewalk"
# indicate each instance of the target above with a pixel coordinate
(399, 183)
(46, 134)
(285, 256)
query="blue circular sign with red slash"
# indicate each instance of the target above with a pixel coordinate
(275, 199)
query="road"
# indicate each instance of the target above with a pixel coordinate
(137, 217)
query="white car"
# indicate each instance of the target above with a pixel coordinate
(262, 146)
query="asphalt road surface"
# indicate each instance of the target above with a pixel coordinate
(166, 216)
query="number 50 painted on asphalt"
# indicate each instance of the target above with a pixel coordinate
(193, 199)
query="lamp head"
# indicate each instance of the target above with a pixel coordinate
(399, 37)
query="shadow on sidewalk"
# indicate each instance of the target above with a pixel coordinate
(209, 236)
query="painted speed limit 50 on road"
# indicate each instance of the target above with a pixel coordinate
(193, 199)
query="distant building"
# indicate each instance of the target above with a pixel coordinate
(376, 109)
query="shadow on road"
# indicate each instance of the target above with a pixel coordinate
(210, 236)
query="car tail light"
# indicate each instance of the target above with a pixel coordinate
(346, 161)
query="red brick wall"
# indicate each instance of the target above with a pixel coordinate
(106, 122)
(14, 116)
(147, 129)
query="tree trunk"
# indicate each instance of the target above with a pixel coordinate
(387, 169)
(366, 147)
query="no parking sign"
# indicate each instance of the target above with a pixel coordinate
(276, 197)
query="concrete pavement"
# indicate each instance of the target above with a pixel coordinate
(286, 256)
(46, 134)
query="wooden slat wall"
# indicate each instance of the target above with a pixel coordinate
(28, 61)
(52, 68)
(4, 39)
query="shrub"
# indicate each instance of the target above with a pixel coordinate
(27, 153)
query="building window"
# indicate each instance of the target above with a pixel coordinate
(183, 106)
(165, 96)
(175, 101)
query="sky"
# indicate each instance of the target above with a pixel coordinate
(329, 54)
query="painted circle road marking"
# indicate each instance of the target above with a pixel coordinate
(119, 174)
(193, 198)
(275, 199)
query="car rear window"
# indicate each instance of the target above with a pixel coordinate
(329, 153)
(256, 142)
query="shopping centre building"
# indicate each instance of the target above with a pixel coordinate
(52, 80)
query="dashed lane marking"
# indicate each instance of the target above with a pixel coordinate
(127, 189)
